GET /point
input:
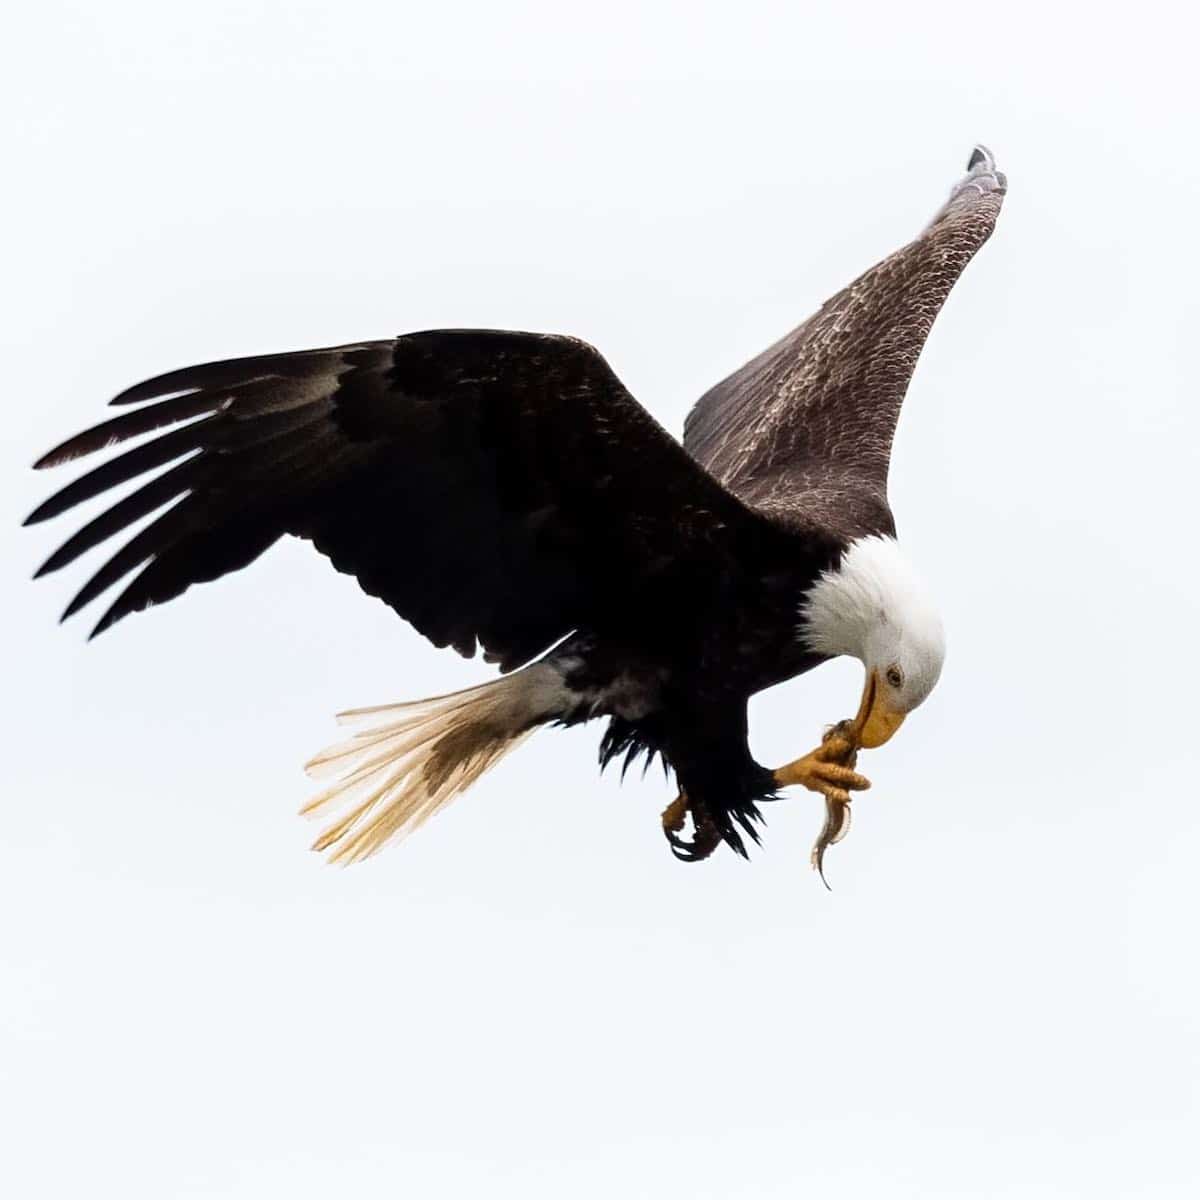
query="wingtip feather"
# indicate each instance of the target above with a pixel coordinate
(49, 566)
(981, 156)
(77, 602)
(56, 457)
(81, 600)
(105, 622)
(51, 507)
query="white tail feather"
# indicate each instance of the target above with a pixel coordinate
(410, 760)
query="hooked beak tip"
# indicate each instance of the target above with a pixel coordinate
(877, 718)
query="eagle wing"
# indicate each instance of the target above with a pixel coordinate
(492, 487)
(804, 431)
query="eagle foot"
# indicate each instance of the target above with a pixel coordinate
(705, 835)
(829, 769)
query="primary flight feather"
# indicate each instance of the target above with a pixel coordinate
(503, 490)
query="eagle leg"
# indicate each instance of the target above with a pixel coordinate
(705, 838)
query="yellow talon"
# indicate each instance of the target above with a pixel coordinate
(828, 769)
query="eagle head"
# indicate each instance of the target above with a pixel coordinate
(873, 606)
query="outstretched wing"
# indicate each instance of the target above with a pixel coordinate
(495, 487)
(807, 426)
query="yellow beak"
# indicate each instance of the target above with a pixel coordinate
(877, 719)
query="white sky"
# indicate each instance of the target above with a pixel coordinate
(532, 998)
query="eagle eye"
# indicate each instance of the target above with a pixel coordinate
(895, 676)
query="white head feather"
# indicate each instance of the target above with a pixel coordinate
(874, 607)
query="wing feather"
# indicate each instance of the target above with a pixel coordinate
(493, 488)
(807, 426)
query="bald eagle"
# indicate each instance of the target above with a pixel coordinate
(504, 491)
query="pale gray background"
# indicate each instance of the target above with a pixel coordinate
(532, 998)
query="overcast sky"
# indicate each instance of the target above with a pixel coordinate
(531, 997)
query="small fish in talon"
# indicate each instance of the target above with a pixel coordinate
(837, 825)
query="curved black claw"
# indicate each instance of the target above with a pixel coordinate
(706, 837)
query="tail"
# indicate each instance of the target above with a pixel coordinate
(408, 761)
